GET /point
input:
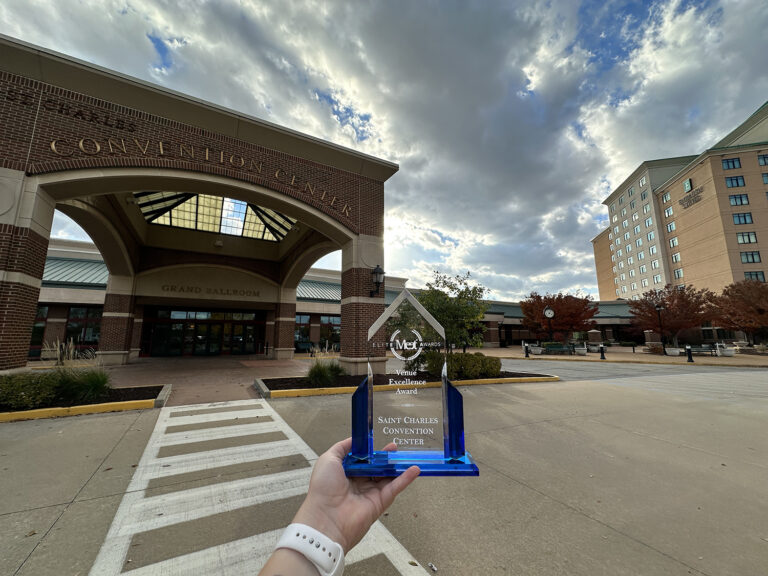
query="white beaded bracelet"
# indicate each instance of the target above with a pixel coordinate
(324, 553)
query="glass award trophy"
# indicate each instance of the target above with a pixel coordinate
(422, 416)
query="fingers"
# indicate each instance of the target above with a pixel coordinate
(391, 447)
(341, 449)
(397, 485)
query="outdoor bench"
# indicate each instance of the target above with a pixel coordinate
(703, 350)
(558, 350)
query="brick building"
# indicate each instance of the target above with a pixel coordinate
(183, 199)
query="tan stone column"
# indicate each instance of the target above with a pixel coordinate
(138, 326)
(359, 310)
(117, 321)
(26, 215)
(285, 324)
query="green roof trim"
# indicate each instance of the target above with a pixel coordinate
(73, 273)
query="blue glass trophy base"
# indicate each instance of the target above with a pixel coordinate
(388, 464)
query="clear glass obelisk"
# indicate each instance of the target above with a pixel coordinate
(410, 419)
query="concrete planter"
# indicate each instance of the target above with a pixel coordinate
(581, 351)
(536, 350)
(673, 351)
(730, 352)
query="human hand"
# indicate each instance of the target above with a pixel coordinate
(345, 508)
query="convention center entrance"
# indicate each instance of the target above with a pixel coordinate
(193, 332)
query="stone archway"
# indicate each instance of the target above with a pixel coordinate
(91, 143)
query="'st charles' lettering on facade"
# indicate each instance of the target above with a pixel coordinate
(210, 291)
(66, 147)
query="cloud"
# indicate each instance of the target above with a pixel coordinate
(510, 121)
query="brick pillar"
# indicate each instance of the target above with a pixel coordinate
(56, 324)
(358, 311)
(491, 334)
(22, 260)
(285, 326)
(117, 321)
(314, 328)
(269, 334)
(138, 326)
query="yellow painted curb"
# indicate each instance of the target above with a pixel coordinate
(301, 392)
(77, 410)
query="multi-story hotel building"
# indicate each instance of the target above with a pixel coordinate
(694, 220)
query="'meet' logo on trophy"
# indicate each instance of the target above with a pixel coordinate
(421, 416)
(410, 348)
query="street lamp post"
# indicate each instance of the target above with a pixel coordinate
(549, 314)
(659, 308)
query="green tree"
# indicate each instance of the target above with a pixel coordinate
(458, 306)
(681, 308)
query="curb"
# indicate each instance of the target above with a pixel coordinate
(41, 413)
(265, 392)
(646, 362)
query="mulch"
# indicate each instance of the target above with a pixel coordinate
(378, 379)
(113, 395)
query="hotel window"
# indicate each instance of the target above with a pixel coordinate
(610, 235)
(678, 273)
(629, 248)
(621, 200)
(617, 291)
(613, 208)
(739, 199)
(657, 279)
(763, 160)
(765, 178)
(630, 260)
(612, 248)
(625, 224)
(731, 163)
(615, 229)
(668, 212)
(633, 286)
(759, 276)
(614, 269)
(637, 229)
(655, 265)
(651, 235)
(617, 241)
(632, 273)
(673, 242)
(746, 238)
(632, 204)
(623, 289)
(644, 282)
(623, 276)
(642, 181)
(676, 257)
(615, 219)
(639, 242)
(626, 235)
(671, 227)
(631, 191)
(643, 269)
(646, 208)
(616, 281)
(652, 250)
(641, 255)
(635, 217)
(613, 257)
(621, 265)
(644, 195)
(734, 181)
(649, 222)
(687, 185)
(742, 218)
(665, 197)
(623, 212)
(619, 253)
(750, 257)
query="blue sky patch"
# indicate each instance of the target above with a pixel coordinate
(347, 116)
(162, 50)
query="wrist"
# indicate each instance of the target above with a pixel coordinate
(324, 555)
(314, 517)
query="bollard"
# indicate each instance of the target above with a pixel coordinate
(602, 352)
(633, 348)
(526, 351)
(690, 353)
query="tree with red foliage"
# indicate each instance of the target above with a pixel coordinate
(683, 308)
(743, 306)
(573, 313)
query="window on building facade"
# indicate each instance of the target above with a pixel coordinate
(643, 269)
(734, 181)
(641, 255)
(619, 252)
(632, 204)
(614, 269)
(651, 235)
(673, 242)
(617, 291)
(750, 257)
(615, 219)
(765, 178)
(613, 257)
(731, 163)
(654, 265)
(630, 260)
(84, 325)
(628, 248)
(625, 224)
(652, 250)
(644, 282)
(746, 237)
(626, 235)
(657, 279)
(665, 197)
(639, 242)
(623, 212)
(668, 212)
(623, 276)
(631, 191)
(621, 265)
(649, 222)
(678, 273)
(671, 227)
(644, 195)
(762, 159)
(615, 229)
(642, 181)
(739, 199)
(623, 289)
(687, 185)
(612, 247)
(636, 229)
(676, 257)
(633, 286)
(621, 200)
(759, 276)
(617, 241)
(646, 208)
(742, 218)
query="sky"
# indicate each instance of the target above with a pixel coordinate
(511, 121)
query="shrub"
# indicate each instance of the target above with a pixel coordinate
(433, 361)
(27, 390)
(81, 386)
(491, 367)
(325, 374)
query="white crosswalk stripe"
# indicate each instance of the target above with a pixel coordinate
(141, 511)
